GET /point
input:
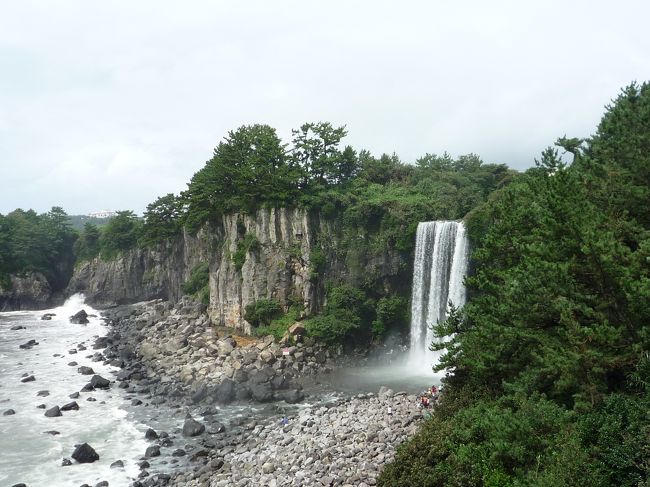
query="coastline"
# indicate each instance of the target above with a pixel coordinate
(248, 401)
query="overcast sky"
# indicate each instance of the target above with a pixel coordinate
(111, 104)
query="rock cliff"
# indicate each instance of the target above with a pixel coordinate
(270, 254)
(30, 291)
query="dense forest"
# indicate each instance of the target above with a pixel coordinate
(548, 367)
(30, 242)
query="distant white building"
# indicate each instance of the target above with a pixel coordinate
(103, 214)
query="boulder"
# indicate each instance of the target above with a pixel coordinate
(152, 451)
(29, 378)
(98, 382)
(83, 370)
(224, 392)
(28, 345)
(261, 392)
(43, 393)
(191, 427)
(9, 412)
(17, 327)
(53, 412)
(71, 406)
(292, 397)
(48, 316)
(117, 464)
(297, 329)
(150, 434)
(85, 453)
(199, 395)
(79, 318)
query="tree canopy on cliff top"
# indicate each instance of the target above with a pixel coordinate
(549, 380)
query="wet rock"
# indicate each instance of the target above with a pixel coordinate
(43, 393)
(66, 462)
(179, 452)
(48, 316)
(41, 406)
(53, 412)
(191, 427)
(18, 327)
(19, 485)
(28, 345)
(87, 388)
(224, 392)
(79, 318)
(29, 378)
(84, 370)
(150, 435)
(293, 396)
(85, 453)
(52, 432)
(74, 395)
(71, 406)
(103, 483)
(73, 364)
(117, 464)
(9, 412)
(261, 392)
(152, 451)
(98, 382)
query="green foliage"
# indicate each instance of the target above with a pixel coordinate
(316, 150)
(250, 167)
(345, 313)
(392, 313)
(317, 263)
(162, 220)
(249, 243)
(262, 311)
(556, 337)
(198, 280)
(87, 245)
(120, 234)
(37, 243)
(279, 326)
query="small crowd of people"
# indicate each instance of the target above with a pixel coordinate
(428, 398)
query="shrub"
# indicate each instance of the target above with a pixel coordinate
(392, 313)
(248, 244)
(262, 311)
(199, 278)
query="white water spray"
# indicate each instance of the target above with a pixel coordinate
(441, 258)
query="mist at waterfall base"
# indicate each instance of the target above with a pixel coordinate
(440, 265)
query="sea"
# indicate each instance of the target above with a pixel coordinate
(28, 453)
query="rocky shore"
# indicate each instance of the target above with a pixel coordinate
(173, 363)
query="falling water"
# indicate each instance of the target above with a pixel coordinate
(441, 256)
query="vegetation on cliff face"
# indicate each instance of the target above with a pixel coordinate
(549, 379)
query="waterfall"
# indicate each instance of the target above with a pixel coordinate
(441, 256)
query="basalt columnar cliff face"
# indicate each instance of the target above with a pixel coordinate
(278, 248)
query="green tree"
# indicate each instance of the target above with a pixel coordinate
(120, 234)
(162, 219)
(248, 169)
(316, 150)
(87, 245)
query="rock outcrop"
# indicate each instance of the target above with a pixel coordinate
(250, 257)
(30, 291)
